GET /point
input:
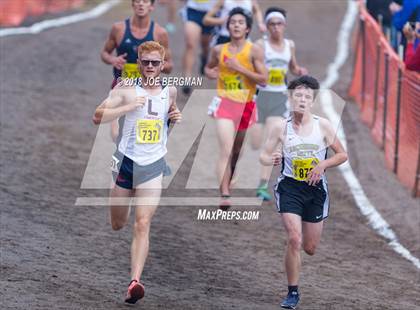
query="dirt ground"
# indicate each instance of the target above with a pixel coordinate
(55, 255)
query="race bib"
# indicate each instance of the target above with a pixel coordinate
(114, 164)
(130, 71)
(302, 166)
(276, 77)
(201, 1)
(232, 83)
(149, 131)
(214, 105)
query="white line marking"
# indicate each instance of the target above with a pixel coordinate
(52, 23)
(376, 221)
(168, 201)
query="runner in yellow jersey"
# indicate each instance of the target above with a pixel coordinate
(239, 67)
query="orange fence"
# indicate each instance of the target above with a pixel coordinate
(389, 99)
(14, 12)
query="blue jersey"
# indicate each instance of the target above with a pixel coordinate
(129, 44)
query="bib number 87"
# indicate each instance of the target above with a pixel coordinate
(303, 172)
(302, 167)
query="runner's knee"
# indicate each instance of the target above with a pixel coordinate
(295, 241)
(117, 224)
(309, 249)
(141, 226)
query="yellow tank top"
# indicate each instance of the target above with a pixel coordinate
(231, 84)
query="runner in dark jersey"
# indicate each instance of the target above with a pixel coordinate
(125, 37)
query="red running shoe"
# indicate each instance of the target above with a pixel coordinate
(135, 292)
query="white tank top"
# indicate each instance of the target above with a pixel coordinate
(301, 154)
(200, 5)
(277, 64)
(144, 132)
(227, 7)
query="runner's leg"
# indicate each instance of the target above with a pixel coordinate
(226, 138)
(293, 225)
(119, 213)
(205, 48)
(270, 123)
(237, 150)
(256, 134)
(311, 236)
(192, 37)
(148, 194)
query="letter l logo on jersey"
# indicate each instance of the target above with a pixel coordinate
(149, 108)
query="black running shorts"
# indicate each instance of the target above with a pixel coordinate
(311, 203)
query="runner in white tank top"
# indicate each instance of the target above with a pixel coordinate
(218, 15)
(271, 99)
(300, 143)
(144, 131)
(138, 164)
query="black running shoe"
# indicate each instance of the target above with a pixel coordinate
(225, 203)
(291, 301)
(203, 61)
(186, 90)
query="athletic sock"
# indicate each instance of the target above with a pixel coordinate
(293, 288)
(263, 182)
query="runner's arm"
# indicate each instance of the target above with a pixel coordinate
(210, 69)
(260, 75)
(337, 159)
(162, 37)
(256, 11)
(109, 47)
(271, 153)
(293, 65)
(333, 142)
(210, 19)
(112, 107)
(174, 113)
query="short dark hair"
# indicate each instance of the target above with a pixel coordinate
(306, 81)
(152, 1)
(244, 13)
(275, 9)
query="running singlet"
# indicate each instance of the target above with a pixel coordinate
(277, 64)
(302, 154)
(227, 7)
(200, 5)
(231, 84)
(129, 44)
(144, 130)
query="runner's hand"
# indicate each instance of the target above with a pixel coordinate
(276, 158)
(139, 103)
(175, 114)
(314, 176)
(211, 73)
(303, 71)
(262, 27)
(233, 64)
(119, 61)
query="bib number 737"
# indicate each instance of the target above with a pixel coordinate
(149, 131)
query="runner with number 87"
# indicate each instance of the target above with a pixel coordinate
(300, 144)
